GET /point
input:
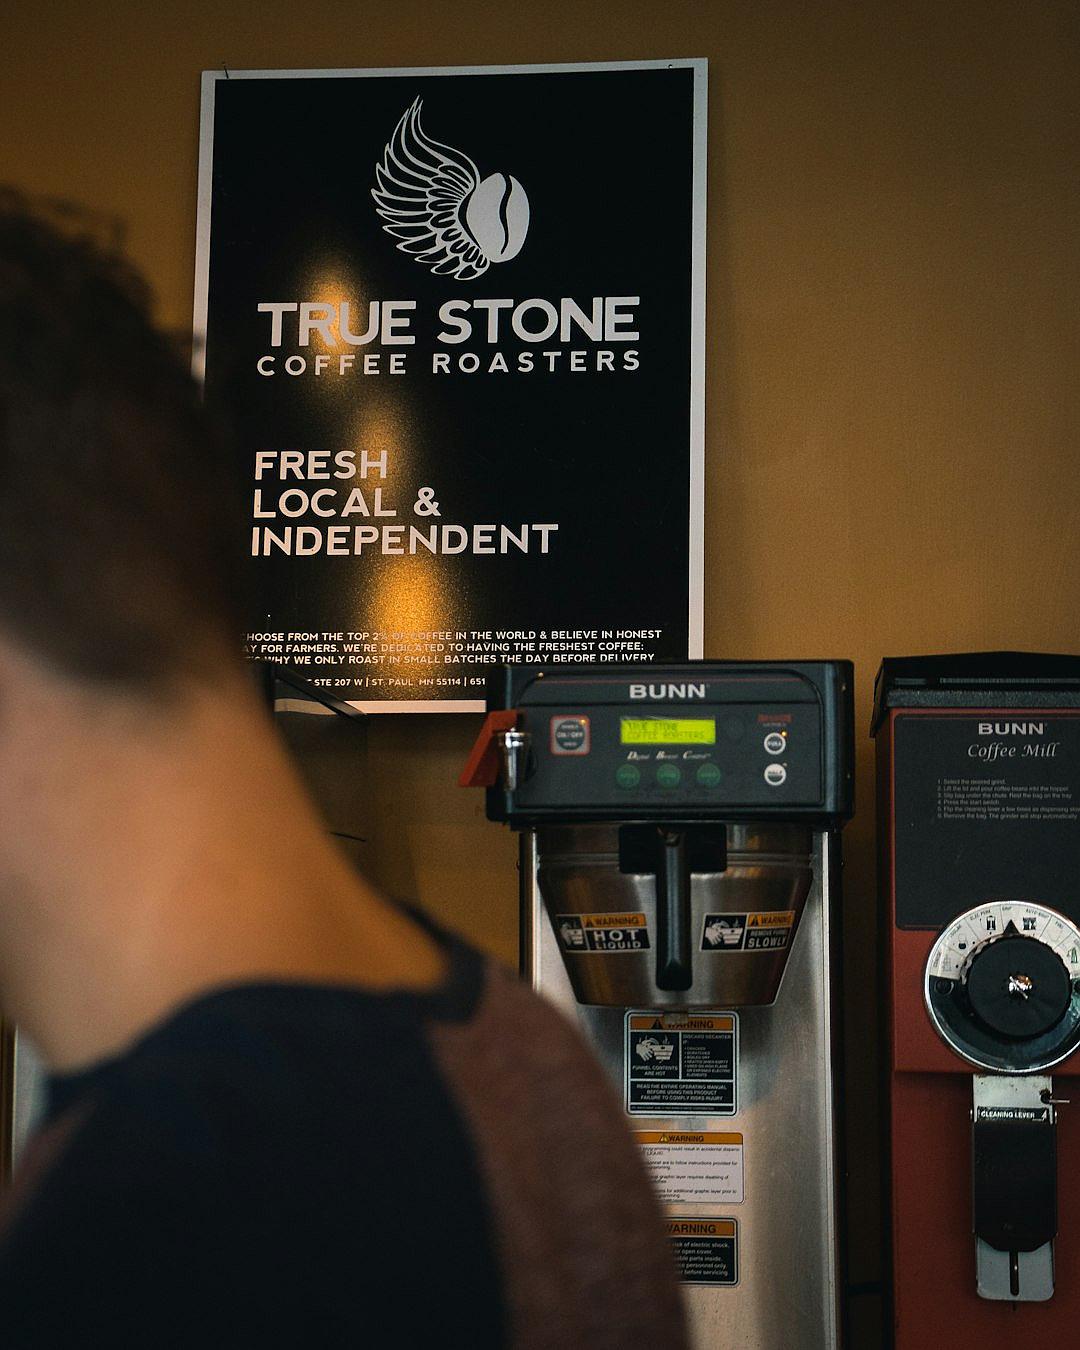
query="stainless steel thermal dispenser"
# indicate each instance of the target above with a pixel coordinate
(679, 866)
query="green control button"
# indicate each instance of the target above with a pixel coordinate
(709, 775)
(628, 775)
(668, 775)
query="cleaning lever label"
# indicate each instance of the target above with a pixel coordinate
(1039, 1114)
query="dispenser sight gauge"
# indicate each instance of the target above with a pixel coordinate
(1003, 986)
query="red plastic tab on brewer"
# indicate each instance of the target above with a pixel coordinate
(482, 767)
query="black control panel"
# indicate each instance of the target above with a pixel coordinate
(698, 740)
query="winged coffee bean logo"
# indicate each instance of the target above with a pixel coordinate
(432, 199)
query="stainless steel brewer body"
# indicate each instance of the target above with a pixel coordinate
(787, 1290)
(679, 867)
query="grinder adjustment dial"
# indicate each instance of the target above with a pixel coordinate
(1003, 986)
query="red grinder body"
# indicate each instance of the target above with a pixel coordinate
(978, 761)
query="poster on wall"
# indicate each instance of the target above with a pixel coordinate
(455, 318)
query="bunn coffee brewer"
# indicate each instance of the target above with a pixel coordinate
(979, 808)
(679, 862)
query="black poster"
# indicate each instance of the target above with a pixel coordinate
(987, 807)
(456, 318)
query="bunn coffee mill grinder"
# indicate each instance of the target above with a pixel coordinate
(679, 898)
(979, 822)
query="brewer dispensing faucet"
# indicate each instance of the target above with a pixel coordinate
(513, 756)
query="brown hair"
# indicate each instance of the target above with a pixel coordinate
(119, 509)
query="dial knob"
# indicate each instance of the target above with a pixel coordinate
(1002, 986)
(1018, 986)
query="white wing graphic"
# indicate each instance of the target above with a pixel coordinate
(423, 188)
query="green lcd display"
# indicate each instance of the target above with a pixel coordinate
(668, 731)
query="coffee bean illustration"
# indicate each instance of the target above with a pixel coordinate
(497, 217)
(433, 201)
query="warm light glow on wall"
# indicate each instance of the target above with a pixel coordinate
(381, 424)
(412, 596)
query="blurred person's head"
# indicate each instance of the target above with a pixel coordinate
(132, 749)
(155, 839)
(118, 540)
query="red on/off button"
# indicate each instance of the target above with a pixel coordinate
(570, 736)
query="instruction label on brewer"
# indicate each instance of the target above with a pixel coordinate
(681, 1064)
(602, 932)
(694, 1167)
(706, 1250)
(761, 932)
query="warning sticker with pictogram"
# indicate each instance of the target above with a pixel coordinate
(681, 1064)
(706, 1250)
(694, 1167)
(602, 932)
(766, 931)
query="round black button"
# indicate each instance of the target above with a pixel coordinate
(570, 734)
(1018, 987)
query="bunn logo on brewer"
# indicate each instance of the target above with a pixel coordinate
(663, 691)
(1011, 728)
(432, 199)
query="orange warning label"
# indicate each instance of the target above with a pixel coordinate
(701, 1227)
(775, 918)
(679, 1022)
(686, 1137)
(681, 1064)
(620, 932)
(690, 1167)
(613, 920)
(706, 1250)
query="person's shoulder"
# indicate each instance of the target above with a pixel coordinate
(220, 1087)
(103, 1210)
(252, 1065)
(269, 1149)
(515, 1040)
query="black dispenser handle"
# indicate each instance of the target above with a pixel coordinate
(672, 853)
(673, 971)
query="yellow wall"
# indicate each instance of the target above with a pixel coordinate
(893, 391)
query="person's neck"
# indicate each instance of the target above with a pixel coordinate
(161, 858)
